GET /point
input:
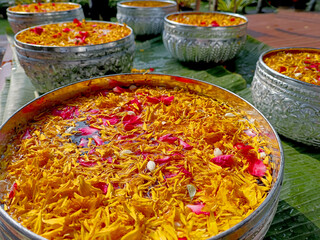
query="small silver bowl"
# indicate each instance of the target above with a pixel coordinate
(50, 67)
(189, 43)
(291, 105)
(21, 20)
(144, 20)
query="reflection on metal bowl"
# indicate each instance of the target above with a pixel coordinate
(291, 105)
(145, 20)
(189, 43)
(50, 67)
(254, 226)
(22, 20)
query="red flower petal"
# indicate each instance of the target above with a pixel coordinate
(37, 30)
(282, 69)
(13, 190)
(84, 163)
(163, 160)
(27, 134)
(244, 148)
(76, 21)
(110, 120)
(131, 121)
(121, 137)
(66, 113)
(257, 168)
(83, 142)
(88, 130)
(170, 175)
(185, 145)
(108, 159)
(66, 30)
(223, 160)
(197, 209)
(214, 24)
(97, 140)
(168, 138)
(167, 100)
(153, 99)
(102, 186)
(185, 172)
(92, 151)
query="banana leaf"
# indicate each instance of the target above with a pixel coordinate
(298, 213)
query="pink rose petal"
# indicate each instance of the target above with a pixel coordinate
(223, 160)
(197, 209)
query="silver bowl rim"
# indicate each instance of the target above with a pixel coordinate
(277, 184)
(166, 20)
(285, 77)
(45, 13)
(69, 48)
(119, 4)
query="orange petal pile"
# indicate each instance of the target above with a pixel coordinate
(206, 19)
(43, 7)
(74, 33)
(146, 4)
(136, 163)
(300, 65)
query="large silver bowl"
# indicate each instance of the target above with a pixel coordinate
(189, 43)
(292, 106)
(21, 20)
(254, 226)
(144, 20)
(50, 67)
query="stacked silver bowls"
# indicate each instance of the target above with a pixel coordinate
(21, 20)
(50, 67)
(254, 226)
(292, 106)
(144, 20)
(189, 43)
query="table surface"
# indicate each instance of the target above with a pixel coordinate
(298, 213)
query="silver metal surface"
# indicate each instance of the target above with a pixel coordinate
(52, 67)
(292, 106)
(22, 20)
(254, 226)
(189, 43)
(144, 20)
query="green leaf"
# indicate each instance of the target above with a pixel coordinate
(153, 54)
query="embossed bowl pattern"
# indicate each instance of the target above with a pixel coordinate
(144, 20)
(292, 106)
(51, 67)
(255, 226)
(22, 20)
(189, 43)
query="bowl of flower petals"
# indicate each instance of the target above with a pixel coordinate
(204, 37)
(139, 156)
(286, 88)
(28, 15)
(143, 16)
(57, 54)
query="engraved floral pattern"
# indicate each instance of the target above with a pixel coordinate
(49, 69)
(203, 44)
(292, 107)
